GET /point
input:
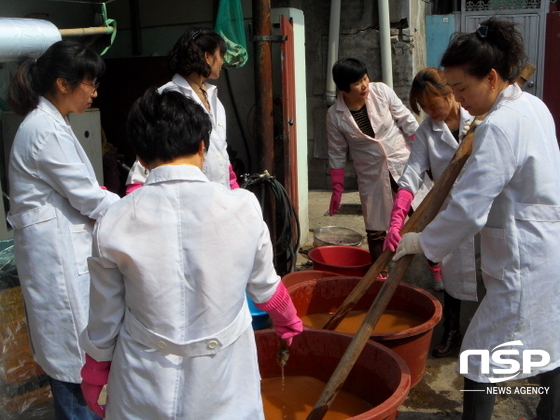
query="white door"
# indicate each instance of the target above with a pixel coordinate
(530, 15)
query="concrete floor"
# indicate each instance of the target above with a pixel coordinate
(438, 396)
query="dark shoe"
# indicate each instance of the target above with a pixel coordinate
(448, 342)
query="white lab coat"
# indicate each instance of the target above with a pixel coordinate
(510, 192)
(216, 162)
(374, 158)
(53, 198)
(433, 148)
(170, 267)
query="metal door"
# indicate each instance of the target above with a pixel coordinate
(530, 15)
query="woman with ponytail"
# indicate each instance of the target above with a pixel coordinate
(509, 191)
(436, 141)
(54, 201)
(196, 56)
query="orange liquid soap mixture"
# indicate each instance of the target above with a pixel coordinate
(390, 321)
(293, 398)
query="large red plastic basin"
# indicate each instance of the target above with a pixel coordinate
(297, 277)
(341, 259)
(379, 376)
(412, 344)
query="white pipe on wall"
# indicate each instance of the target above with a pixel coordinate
(385, 41)
(334, 33)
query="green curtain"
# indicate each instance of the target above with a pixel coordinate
(230, 26)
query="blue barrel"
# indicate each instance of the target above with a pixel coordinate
(260, 318)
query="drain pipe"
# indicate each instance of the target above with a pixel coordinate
(334, 33)
(264, 123)
(385, 41)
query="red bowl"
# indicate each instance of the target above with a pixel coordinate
(341, 259)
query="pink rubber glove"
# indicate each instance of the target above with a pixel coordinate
(133, 187)
(94, 375)
(401, 207)
(283, 313)
(337, 186)
(233, 184)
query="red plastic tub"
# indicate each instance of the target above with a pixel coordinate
(412, 344)
(379, 376)
(297, 277)
(341, 259)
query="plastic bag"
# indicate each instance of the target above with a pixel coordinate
(230, 26)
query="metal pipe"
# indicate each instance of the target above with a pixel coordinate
(87, 31)
(385, 42)
(334, 35)
(264, 124)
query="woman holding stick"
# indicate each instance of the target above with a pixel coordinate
(436, 141)
(509, 191)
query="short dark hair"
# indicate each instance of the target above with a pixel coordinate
(69, 60)
(348, 71)
(496, 44)
(429, 81)
(187, 55)
(167, 125)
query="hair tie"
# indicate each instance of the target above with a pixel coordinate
(195, 35)
(482, 31)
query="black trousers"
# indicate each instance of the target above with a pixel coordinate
(479, 404)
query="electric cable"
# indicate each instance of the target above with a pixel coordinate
(287, 224)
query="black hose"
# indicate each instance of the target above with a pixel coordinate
(287, 225)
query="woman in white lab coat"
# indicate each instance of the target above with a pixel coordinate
(54, 200)
(371, 121)
(170, 330)
(435, 144)
(509, 190)
(196, 57)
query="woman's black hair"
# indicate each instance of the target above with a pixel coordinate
(69, 60)
(429, 81)
(348, 71)
(187, 55)
(496, 44)
(167, 125)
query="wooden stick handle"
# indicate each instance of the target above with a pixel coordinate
(98, 30)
